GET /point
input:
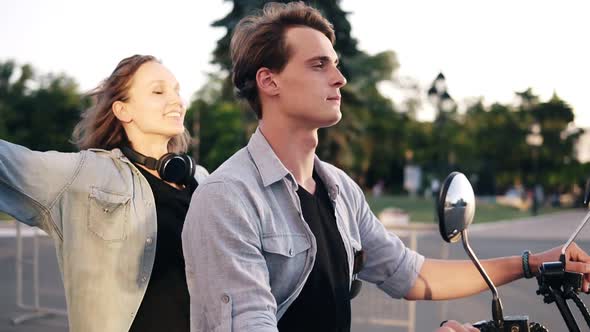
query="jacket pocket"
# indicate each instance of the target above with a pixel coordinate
(107, 214)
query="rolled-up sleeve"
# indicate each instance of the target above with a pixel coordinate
(227, 275)
(390, 265)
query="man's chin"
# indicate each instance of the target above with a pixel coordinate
(332, 121)
(315, 121)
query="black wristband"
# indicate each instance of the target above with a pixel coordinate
(525, 264)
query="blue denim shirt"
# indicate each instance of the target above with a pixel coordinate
(100, 212)
(248, 250)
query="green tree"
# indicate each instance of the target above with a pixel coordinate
(38, 112)
(222, 132)
(554, 117)
(493, 143)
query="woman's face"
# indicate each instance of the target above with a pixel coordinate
(154, 106)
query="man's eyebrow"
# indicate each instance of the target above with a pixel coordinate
(323, 58)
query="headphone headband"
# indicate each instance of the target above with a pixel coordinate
(139, 158)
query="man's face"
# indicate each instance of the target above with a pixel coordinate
(309, 85)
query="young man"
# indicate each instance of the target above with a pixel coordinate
(271, 236)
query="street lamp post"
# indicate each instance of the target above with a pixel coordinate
(443, 103)
(439, 96)
(535, 140)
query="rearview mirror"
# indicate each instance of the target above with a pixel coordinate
(455, 206)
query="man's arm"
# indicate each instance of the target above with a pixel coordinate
(389, 264)
(226, 271)
(449, 279)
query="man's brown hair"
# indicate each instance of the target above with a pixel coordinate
(259, 41)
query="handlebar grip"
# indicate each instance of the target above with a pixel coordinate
(486, 326)
(537, 327)
(489, 326)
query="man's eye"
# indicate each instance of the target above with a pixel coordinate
(158, 92)
(320, 64)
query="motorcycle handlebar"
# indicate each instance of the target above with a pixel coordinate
(510, 324)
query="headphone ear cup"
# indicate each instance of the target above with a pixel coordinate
(191, 168)
(177, 168)
(169, 167)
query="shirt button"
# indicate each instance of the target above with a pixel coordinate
(290, 251)
(143, 279)
(106, 210)
(225, 298)
(149, 240)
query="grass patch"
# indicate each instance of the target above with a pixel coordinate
(422, 210)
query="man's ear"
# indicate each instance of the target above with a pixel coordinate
(120, 110)
(266, 82)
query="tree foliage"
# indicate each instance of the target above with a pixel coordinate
(38, 112)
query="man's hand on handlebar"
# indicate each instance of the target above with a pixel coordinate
(454, 326)
(576, 261)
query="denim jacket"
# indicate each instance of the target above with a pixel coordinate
(101, 214)
(248, 251)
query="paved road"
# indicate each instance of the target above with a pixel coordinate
(50, 286)
(372, 311)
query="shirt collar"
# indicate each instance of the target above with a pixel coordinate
(328, 179)
(271, 168)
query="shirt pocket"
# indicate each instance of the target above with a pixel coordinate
(107, 214)
(285, 257)
(289, 245)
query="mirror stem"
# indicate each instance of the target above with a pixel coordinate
(497, 314)
(572, 238)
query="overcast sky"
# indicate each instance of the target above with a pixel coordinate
(488, 49)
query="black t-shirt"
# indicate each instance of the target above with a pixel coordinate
(166, 304)
(324, 303)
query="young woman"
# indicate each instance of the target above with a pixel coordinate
(116, 208)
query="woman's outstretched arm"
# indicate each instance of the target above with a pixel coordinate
(31, 182)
